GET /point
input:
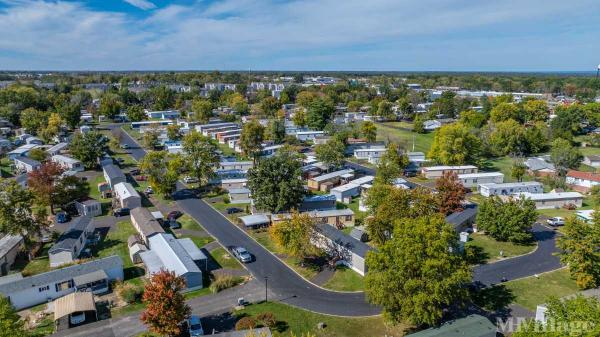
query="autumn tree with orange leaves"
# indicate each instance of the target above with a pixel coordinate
(165, 304)
(451, 193)
(42, 182)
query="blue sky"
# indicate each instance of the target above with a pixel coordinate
(445, 35)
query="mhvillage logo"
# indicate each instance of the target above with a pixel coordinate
(516, 324)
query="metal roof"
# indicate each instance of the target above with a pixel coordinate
(112, 171)
(472, 326)
(90, 277)
(166, 252)
(69, 238)
(191, 248)
(146, 222)
(340, 238)
(28, 161)
(8, 242)
(254, 220)
(126, 190)
(332, 175)
(74, 302)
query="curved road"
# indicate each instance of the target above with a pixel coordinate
(287, 286)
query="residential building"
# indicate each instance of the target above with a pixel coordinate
(33, 140)
(167, 253)
(461, 220)
(91, 207)
(127, 196)
(327, 181)
(240, 196)
(57, 149)
(68, 163)
(167, 114)
(434, 172)
(430, 125)
(269, 151)
(145, 223)
(308, 135)
(473, 179)
(10, 247)
(471, 326)
(488, 190)
(551, 200)
(416, 157)
(142, 124)
(26, 164)
(70, 244)
(113, 175)
(582, 181)
(338, 218)
(95, 275)
(21, 151)
(540, 167)
(350, 251)
(235, 165)
(318, 203)
(204, 128)
(228, 184)
(372, 155)
(345, 193)
(592, 160)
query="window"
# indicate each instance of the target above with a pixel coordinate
(64, 285)
(348, 217)
(44, 288)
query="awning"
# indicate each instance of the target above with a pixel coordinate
(84, 279)
(74, 302)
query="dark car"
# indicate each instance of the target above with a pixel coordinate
(173, 224)
(174, 215)
(62, 217)
(121, 212)
(135, 172)
(233, 210)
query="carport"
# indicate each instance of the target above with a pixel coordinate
(255, 221)
(74, 304)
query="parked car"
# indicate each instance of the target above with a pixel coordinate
(241, 254)
(149, 190)
(121, 212)
(233, 210)
(77, 317)
(189, 180)
(556, 221)
(135, 172)
(174, 215)
(62, 217)
(195, 326)
(125, 146)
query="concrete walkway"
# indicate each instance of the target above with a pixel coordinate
(323, 276)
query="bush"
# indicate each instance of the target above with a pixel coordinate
(267, 318)
(223, 282)
(226, 199)
(128, 292)
(245, 323)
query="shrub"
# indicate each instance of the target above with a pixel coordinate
(223, 282)
(267, 318)
(226, 199)
(128, 292)
(245, 323)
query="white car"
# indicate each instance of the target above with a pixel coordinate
(556, 221)
(189, 180)
(195, 326)
(77, 317)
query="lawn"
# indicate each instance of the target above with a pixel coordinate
(6, 168)
(187, 222)
(345, 279)
(503, 165)
(489, 248)
(38, 265)
(224, 259)
(115, 243)
(301, 322)
(422, 142)
(531, 291)
(200, 241)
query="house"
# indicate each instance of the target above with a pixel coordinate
(33, 140)
(269, 151)
(167, 114)
(473, 179)
(113, 175)
(471, 326)
(349, 251)
(551, 200)
(10, 247)
(461, 220)
(308, 135)
(167, 253)
(236, 165)
(326, 181)
(592, 160)
(318, 203)
(26, 164)
(95, 275)
(416, 157)
(68, 163)
(586, 215)
(127, 196)
(582, 181)
(74, 304)
(21, 151)
(540, 312)
(91, 207)
(57, 149)
(488, 190)
(255, 221)
(211, 126)
(145, 223)
(144, 124)
(70, 244)
(338, 218)
(228, 184)
(345, 193)
(372, 155)
(239, 196)
(540, 167)
(434, 172)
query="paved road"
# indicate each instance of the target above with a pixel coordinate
(283, 283)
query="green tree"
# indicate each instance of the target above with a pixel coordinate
(276, 130)
(201, 110)
(10, 322)
(304, 98)
(567, 122)
(418, 125)
(110, 105)
(52, 129)
(454, 144)
(150, 137)
(163, 170)
(173, 132)
(331, 153)
(201, 156)
(507, 137)
(319, 113)
(595, 195)
(369, 131)
(354, 106)
(163, 98)
(88, 147)
(70, 113)
(275, 183)
(34, 120)
(251, 138)
(238, 103)
(391, 165)
(135, 113)
(445, 104)
(505, 111)
(564, 155)
(384, 109)
(414, 276)
(518, 170)
(299, 118)
(295, 235)
(472, 118)
(38, 154)
(509, 220)
(536, 110)
(579, 251)
(269, 106)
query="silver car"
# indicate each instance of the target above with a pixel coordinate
(242, 254)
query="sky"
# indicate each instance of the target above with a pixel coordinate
(335, 35)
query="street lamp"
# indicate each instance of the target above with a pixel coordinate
(266, 283)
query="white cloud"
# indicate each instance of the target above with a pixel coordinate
(141, 4)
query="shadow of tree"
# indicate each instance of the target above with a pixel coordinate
(475, 255)
(494, 298)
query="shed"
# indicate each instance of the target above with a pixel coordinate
(91, 207)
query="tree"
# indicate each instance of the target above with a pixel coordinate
(445, 104)
(505, 111)
(304, 98)
(454, 144)
(414, 276)
(451, 193)
(384, 109)
(295, 235)
(354, 106)
(17, 216)
(10, 322)
(579, 251)
(165, 304)
(69, 188)
(595, 195)
(150, 137)
(331, 153)
(319, 113)
(507, 137)
(163, 170)
(251, 138)
(276, 130)
(567, 122)
(391, 164)
(135, 113)
(518, 170)
(201, 110)
(564, 155)
(275, 182)
(70, 113)
(52, 129)
(42, 182)
(418, 125)
(110, 105)
(163, 98)
(38, 154)
(201, 156)
(299, 118)
(173, 132)
(509, 220)
(269, 106)
(535, 110)
(88, 147)
(369, 130)
(238, 103)
(34, 120)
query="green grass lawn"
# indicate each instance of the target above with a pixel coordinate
(345, 279)
(200, 241)
(6, 168)
(531, 291)
(187, 222)
(503, 165)
(115, 243)
(300, 322)
(405, 138)
(224, 259)
(490, 248)
(38, 265)
(44, 328)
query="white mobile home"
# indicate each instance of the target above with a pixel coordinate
(308, 135)
(145, 223)
(345, 193)
(10, 246)
(488, 190)
(473, 179)
(91, 207)
(57, 149)
(240, 195)
(167, 114)
(233, 183)
(371, 155)
(26, 164)
(22, 151)
(348, 250)
(582, 181)
(68, 163)
(113, 175)
(127, 196)
(551, 200)
(70, 244)
(434, 172)
(236, 165)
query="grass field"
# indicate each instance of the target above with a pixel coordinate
(224, 259)
(490, 248)
(345, 279)
(38, 265)
(386, 131)
(531, 291)
(301, 322)
(115, 243)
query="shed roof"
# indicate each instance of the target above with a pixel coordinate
(254, 220)
(125, 190)
(8, 242)
(74, 302)
(472, 326)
